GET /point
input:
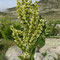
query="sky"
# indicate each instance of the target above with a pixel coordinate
(4, 4)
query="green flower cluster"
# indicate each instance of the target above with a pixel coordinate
(32, 28)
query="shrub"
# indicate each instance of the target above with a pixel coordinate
(2, 56)
(0, 34)
(7, 33)
(51, 28)
(5, 27)
(4, 45)
(17, 25)
(32, 33)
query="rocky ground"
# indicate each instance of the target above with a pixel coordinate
(51, 51)
(50, 43)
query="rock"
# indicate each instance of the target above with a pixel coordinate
(58, 25)
(38, 56)
(58, 50)
(54, 50)
(51, 50)
(50, 43)
(52, 53)
(48, 58)
(13, 53)
(55, 55)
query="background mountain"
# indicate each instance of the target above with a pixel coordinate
(49, 9)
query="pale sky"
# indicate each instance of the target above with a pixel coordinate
(4, 4)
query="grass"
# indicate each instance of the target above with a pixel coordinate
(4, 45)
(54, 37)
(2, 56)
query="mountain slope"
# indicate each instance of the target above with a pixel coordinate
(49, 9)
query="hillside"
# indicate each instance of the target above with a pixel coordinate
(49, 4)
(49, 9)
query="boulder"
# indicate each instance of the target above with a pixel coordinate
(48, 58)
(51, 56)
(38, 56)
(52, 53)
(13, 53)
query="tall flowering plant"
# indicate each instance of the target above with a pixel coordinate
(32, 28)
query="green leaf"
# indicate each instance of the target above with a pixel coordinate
(21, 57)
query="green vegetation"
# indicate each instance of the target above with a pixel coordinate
(44, 54)
(5, 30)
(6, 38)
(51, 28)
(32, 29)
(4, 45)
(2, 56)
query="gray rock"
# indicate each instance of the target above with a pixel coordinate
(13, 53)
(52, 52)
(48, 58)
(58, 50)
(58, 25)
(55, 55)
(38, 56)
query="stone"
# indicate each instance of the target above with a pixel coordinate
(58, 50)
(13, 53)
(53, 52)
(38, 56)
(55, 55)
(48, 58)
